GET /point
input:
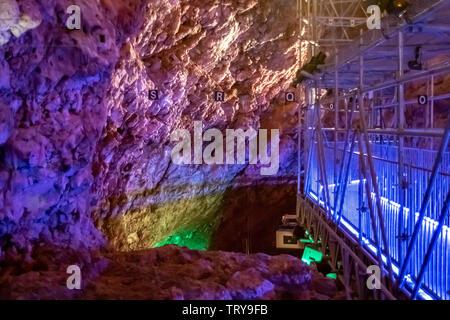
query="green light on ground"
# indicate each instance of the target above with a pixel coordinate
(332, 276)
(192, 239)
(310, 254)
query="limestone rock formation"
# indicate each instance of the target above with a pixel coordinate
(85, 154)
(174, 273)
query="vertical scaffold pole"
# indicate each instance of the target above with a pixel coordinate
(402, 183)
(370, 163)
(336, 123)
(309, 136)
(365, 177)
(299, 130)
(346, 146)
(320, 153)
(345, 183)
(314, 28)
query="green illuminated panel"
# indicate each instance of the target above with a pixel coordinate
(310, 255)
(332, 276)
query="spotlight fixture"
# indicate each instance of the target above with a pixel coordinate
(416, 64)
(399, 4)
(400, 8)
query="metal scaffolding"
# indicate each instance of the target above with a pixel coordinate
(374, 184)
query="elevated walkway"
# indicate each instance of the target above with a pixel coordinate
(375, 189)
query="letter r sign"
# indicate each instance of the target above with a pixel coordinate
(219, 96)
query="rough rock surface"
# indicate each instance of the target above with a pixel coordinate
(187, 50)
(83, 149)
(53, 112)
(171, 272)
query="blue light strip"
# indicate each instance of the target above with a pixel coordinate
(366, 242)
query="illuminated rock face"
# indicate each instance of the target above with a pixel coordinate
(85, 152)
(187, 50)
(54, 109)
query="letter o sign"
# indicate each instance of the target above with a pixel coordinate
(423, 100)
(290, 97)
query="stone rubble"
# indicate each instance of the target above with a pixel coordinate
(172, 272)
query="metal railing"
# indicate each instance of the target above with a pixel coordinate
(383, 183)
(355, 214)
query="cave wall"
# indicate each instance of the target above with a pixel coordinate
(187, 50)
(53, 111)
(84, 153)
